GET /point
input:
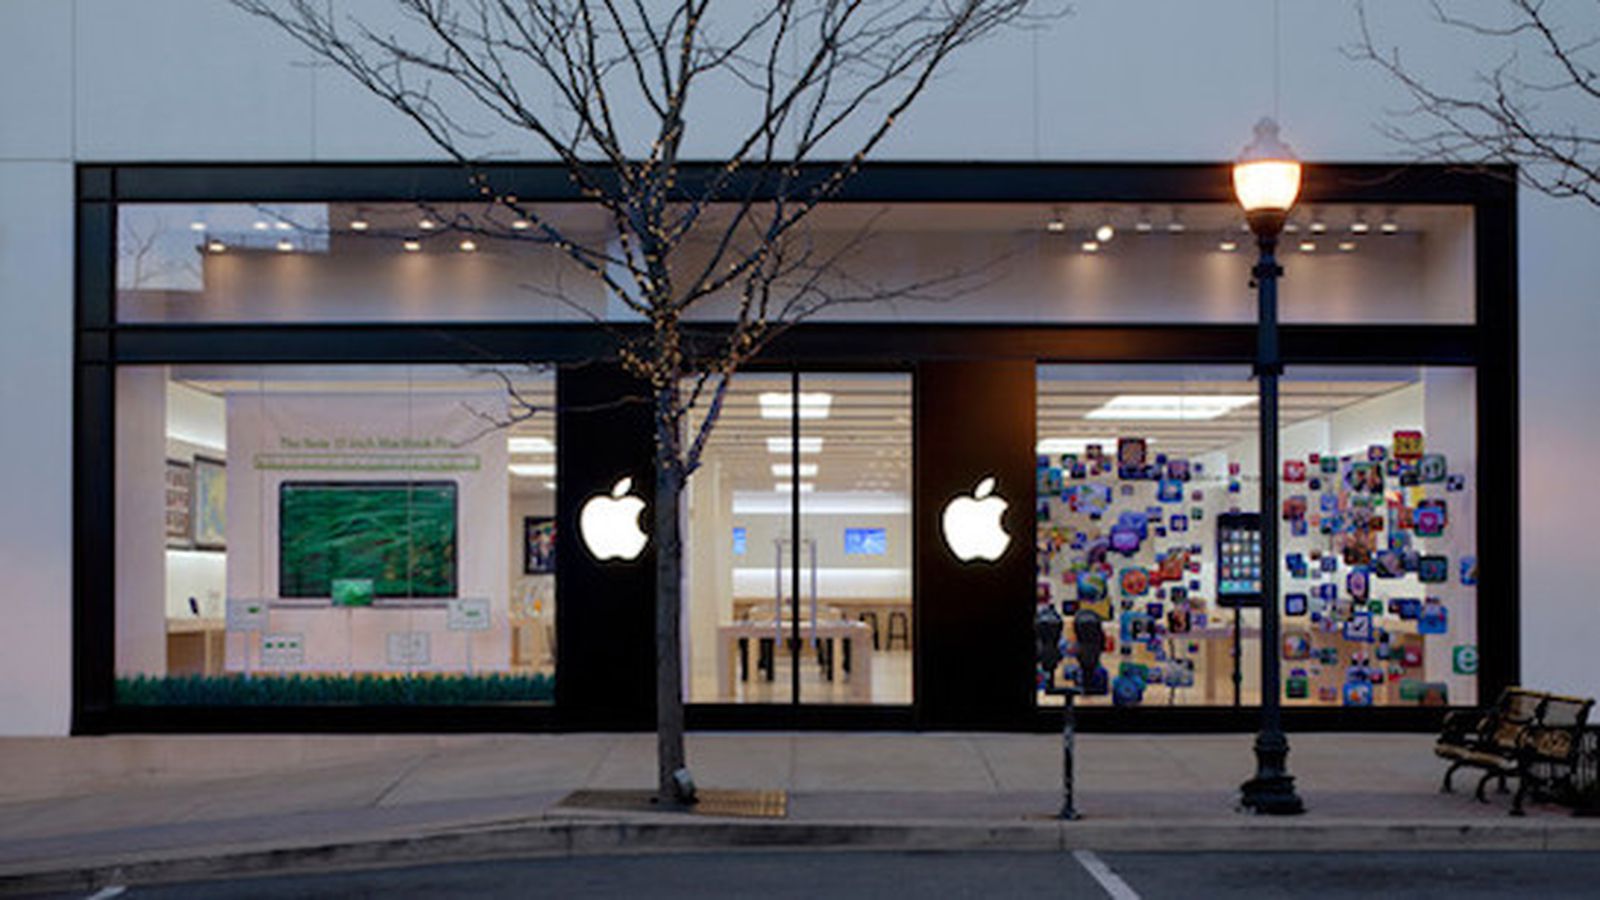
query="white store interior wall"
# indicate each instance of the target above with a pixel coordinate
(169, 80)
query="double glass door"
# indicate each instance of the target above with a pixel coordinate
(798, 543)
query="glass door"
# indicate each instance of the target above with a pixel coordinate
(798, 543)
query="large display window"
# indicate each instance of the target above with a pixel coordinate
(294, 535)
(1148, 520)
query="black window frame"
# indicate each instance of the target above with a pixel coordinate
(1488, 344)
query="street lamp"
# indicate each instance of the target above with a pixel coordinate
(1266, 179)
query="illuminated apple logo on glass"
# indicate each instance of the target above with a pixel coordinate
(972, 524)
(610, 524)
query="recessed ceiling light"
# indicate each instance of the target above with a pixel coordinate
(784, 470)
(260, 225)
(1360, 226)
(1389, 226)
(524, 444)
(1090, 246)
(1318, 226)
(1170, 407)
(285, 246)
(519, 224)
(281, 226)
(781, 445)
(1308, 247)
(780, 405)
(427, 224)
(197, 226)
(468, 246)
(1055, 225)
(1346, 246)
(1228, 246)
(411, 246)
(358, 224)
(1105, 233)
(533, 470)
(786, 487)
(1291, 228)
(216, 246)
(1176, 227)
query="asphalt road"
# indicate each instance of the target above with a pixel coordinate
(1123, 876)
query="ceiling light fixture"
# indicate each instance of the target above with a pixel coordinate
(1346, 246)
(1308, 247)
(787, 487)
(526, 444)
(782, 446)
(784, 470)
(1170, 407)
(427, 224)
(781, 404)
(533, 470)
(1227, 245)
(411, 246)
(1105, 233)
(1090, 246)
(468, 246)
(216, 246)
(259, 225)
(285, 247)
(197, 226)
(519, 224)
(358, 224)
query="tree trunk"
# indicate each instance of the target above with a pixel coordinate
(670, 757)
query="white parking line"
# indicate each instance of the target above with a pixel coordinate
(107, 892)
(1113, 884)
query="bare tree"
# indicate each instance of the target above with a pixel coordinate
(802, 91)
(1537, 105)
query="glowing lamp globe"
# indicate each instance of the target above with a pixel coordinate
(1266, 179)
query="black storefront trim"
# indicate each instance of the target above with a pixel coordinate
(609, 696)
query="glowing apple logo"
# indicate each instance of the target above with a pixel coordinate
(972, 525)
(610, 525)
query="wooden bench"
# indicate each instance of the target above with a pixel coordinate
(1530, 735)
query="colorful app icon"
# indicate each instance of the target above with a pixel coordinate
(1135, 581)
(1296, 644)
(1407, 445)
(1433, 569)
(1464, 659)
(1357, 583)
(1411, 656)
(1434, 618)
(1469, 570)
(1431, 468)
(1294, 470)
(1294, 604)
(1358, 693)
(1430, 518)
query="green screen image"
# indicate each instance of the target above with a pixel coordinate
(400, 535)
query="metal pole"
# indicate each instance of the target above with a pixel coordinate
(1271, 791)
(1069, 731)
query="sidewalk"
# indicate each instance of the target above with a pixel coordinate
(79, 812)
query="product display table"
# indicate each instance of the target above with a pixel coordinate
(733, 641)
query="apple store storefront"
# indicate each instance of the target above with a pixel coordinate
(344, 464)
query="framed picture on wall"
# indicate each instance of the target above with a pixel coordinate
(180, 487)
(538, 545)
(210, 513)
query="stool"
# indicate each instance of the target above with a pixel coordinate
(871, 618)
(899, 627)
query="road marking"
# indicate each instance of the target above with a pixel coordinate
(116, 890)
(1113, 884)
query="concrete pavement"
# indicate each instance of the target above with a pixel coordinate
(81, 811)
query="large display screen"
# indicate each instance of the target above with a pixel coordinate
(400, 535)
(866, 541)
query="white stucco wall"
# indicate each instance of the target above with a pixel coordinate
(172, 80)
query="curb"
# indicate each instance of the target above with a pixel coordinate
(662, 834)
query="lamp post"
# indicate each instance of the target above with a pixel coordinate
(1266, 179)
